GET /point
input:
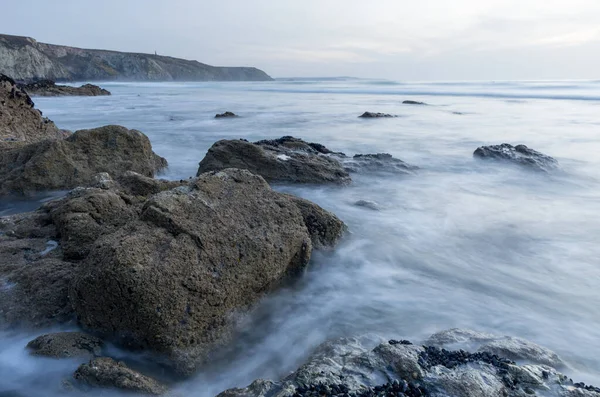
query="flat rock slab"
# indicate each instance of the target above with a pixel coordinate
(66, 345)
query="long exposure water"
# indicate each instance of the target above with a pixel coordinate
(460, 244)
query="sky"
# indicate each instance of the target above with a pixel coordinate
(383, 39)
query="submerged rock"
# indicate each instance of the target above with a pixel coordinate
(369, 115)
(20, 122)
(286, 159)
(520, 155)
(225, 115)
(66, 345)
(368, 204)
(74, 161)
(376, 163)
(50, 88)
(105, 372)
(409, 102)
(347, 367)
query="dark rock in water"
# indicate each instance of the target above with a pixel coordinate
(368, 115)
(413, 103)
(66, 345)
(105, 372)
(346, 368)
(225, 115)
(374, 163)
(50, 88)
(287, 159)
(20, 122)
(520, 155)
(68, 163)
(368, 204)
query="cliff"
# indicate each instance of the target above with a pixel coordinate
(23, 58)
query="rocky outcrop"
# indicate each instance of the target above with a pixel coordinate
(225, 115)
(24, 58)
(371, 115)
(50, 88)
(292, 160)
(409, 102)
(105, 372)
(66, 345)
(520, 155)
(398, 368)
(20, 122)
(71, 162)
(164, 266)
(283, 160)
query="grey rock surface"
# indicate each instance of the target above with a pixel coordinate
(398, 368)
(50, 88)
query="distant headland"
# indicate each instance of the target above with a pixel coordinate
(25, 59)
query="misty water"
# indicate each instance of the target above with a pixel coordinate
(461, 243)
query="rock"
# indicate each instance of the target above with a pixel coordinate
(24, 58)
(194, 257)
(504, 346)
(34, 280)
(368, 204)
(347, 367)
(74, 161)
(140, 185)
(66, 345)
(103, 180)
(520, 155)
(325, 230)
(105, 372)
(408, 102)
(20, 122)
(287, 159)
(225, 115)
(369, 115)
(376, 163)
(49, 88)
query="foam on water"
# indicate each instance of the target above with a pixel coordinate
(459, 244)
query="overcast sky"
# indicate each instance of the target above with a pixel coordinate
(393, 39)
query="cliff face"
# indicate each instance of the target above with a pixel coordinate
(23, 58)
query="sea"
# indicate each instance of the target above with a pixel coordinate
(459, 244)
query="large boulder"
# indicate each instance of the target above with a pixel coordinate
(348, 367)
(20, 122)
(284, 160)
(169, 271)
(50, 88)
(104, 372)
(173, 278)
(66, 345)
(71, 162)
(292, 160)
(520, 155)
